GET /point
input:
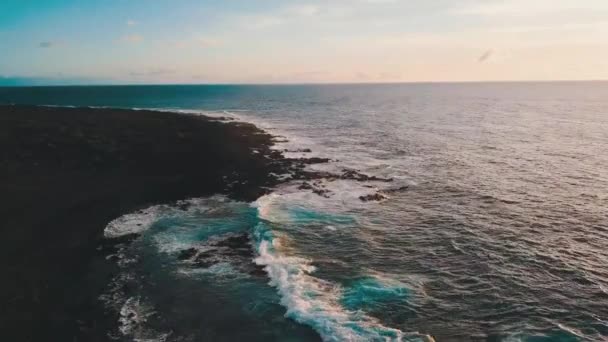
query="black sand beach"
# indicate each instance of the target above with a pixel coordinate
(66, 172)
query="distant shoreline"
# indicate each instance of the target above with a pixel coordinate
(66, 172)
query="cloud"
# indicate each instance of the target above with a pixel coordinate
(131, 22)
(485, 56)
(303, 10)
(262, 21)
(208, 42)
(201, 42)
(590, 26)
(47, 44)
(376, 76)
(280, 16)
(131, 38)
(307, 76)
(153, 72)
(529, 8)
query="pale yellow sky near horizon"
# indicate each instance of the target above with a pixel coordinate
(317, 41)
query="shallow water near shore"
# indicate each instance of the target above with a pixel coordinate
(492, 228)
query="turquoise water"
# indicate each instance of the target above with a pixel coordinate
(371, 294)
(493, 229)
(229, 284)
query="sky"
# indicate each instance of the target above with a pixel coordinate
(292, 41)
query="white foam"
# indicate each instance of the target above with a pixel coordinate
(222, 271)
(58, 106)
(571, 330)
(133, 223)
(264, 207)
(170, 243)
(315, 302)
(132, 314)
(208, 113)
(307, 299)
(310, 300)
(140, 221)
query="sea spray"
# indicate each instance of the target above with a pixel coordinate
(310, 300)
(184, 263)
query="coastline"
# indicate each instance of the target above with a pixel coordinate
(429, 210)
(67, 172)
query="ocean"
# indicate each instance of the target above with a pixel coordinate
(487, 219)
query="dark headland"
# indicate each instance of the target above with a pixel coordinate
(66, 172)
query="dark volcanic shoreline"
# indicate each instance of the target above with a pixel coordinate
(67, 172)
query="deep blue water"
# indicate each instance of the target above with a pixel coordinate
(498, 232)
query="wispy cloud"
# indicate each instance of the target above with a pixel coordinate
(153, 72)
(280, 16)
(601, 26)
(200, 42)
(208, 42)
(528, 8)
(131, 38)
(381, 76)
(485, 56)
(303, 10)
(262, 21)
(326, 40)
(46, 45)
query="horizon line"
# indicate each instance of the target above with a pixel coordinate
(297, 83)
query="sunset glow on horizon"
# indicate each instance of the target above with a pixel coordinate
(270, 41)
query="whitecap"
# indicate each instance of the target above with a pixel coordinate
(132, 315)
(310, 300)
(133, 223)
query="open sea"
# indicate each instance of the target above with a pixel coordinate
(493, 228)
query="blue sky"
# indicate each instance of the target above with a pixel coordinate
(290, 41)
